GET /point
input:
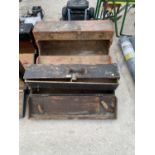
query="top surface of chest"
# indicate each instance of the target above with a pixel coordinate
(76, 30)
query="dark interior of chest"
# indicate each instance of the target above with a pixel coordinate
(74, 47)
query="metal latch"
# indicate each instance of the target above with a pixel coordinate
(75, 73)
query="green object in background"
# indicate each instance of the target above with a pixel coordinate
(114, 17)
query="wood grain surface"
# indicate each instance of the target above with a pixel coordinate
(74, 30)
(72, 107)
(50, 71)
(26, 58)
(41, 104)
(89, 59)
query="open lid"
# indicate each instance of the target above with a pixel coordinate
(82, 71)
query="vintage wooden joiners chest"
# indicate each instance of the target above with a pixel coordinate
(73, 77)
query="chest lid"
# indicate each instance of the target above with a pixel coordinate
(66, 71)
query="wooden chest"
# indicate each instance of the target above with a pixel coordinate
(74, 77)
(27, 46)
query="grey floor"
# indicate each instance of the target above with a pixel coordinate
(83, 137)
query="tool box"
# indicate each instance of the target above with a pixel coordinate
(73, 77)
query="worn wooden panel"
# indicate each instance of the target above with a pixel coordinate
(42, 71)
(66, 117)
(74, 36)
(46, 104)
(74, 30)
(71, 91)
(101, 107)
(26, 47)
(98, 86)
(70, 26)
(88, 59)
(26, 58)
(74, 47)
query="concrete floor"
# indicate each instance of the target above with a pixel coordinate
(82, 137)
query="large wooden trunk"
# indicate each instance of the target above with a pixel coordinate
(74, 77)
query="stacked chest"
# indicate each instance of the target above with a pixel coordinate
(73, 76)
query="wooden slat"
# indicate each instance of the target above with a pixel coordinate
(88, 59)
(26, 47)
(42, 71)
(26, 58)
(74, 30)
(66, 117)
(67, 26)
(79, 86)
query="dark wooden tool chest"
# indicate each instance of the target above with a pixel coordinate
(73, 77)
